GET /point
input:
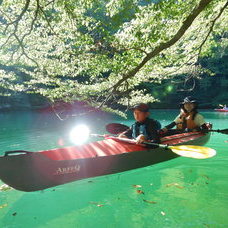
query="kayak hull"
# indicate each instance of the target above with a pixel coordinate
(32, 171)
(221, 110)
(46, 173)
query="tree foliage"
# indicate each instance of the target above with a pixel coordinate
(102, 51)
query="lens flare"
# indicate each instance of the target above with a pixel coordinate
(79, 134)
(169, 88)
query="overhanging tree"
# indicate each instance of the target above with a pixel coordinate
(101, 51)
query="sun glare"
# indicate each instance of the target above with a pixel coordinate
(79, 134)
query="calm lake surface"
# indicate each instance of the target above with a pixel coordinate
(182, 192)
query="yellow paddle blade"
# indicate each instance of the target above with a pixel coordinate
(192, 151)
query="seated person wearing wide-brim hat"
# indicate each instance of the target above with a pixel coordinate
(189, 119)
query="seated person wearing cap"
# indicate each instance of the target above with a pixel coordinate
(144, 129)
(189, 119)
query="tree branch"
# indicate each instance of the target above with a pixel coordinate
(212, 26)
(19, 17)
(204, 40)
(33, 21)
(23, 50)
(186, 24)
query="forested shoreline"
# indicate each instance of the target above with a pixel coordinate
(210, 88)
(113, 54)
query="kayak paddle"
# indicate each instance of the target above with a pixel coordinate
(190, 151)
(117, 128)
(223, 131)
(81, 132)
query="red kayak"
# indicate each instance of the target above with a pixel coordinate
(222, 110)
(32, 171)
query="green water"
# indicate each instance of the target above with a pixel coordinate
(182, 192)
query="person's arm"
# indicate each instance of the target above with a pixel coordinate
(126, 134)
(156, 138)
(172, 124)
(200, 122)
(169, 126)
(153, 134)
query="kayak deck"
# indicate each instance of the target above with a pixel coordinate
(109, 147)
(105, 147)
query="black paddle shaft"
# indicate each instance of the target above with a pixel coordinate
(117, 128)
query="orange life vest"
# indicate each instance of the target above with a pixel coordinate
(187, 121)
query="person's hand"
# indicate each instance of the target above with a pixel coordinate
(122, 135)
(183, 113)
(140, 139)
(187, 130)
(106, 136)
(164, 130)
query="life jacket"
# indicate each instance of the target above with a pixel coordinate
(187, 121)
(148, 128)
